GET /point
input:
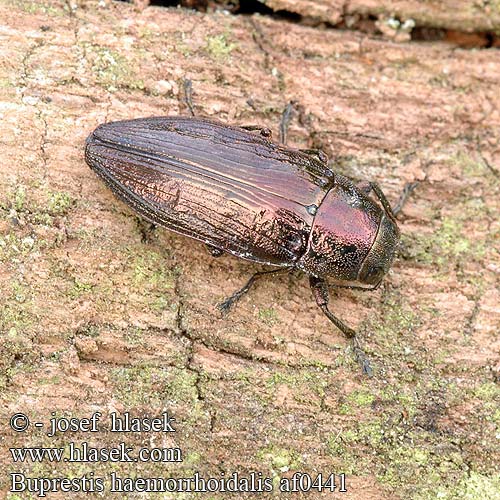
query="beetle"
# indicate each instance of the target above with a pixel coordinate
(243, 194)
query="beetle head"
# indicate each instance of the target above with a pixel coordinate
(352, 241)
(381, 254)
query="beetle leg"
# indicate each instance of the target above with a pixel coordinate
(318, 153)
(286, 116)
(320, 292)
(225, 306)
(264, 131)
(214, 251)
(188, 95)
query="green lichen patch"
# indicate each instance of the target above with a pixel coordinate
(219, 47)
(279, 459)
(472, 167)
(146, 385)
(400, 457)
(17, 320)
(268, 316)
(361, 397)
(16, 355)
(488, 391)
(447, 244)
(16, 314)
(471, 486)
(134, 337)
(15, 248)
(79, 288)
(401, 438)
(36, 204)
(32, 7)
(307, 385)
(19, 198)
(5, 83)
(152, 278)
(111, 69)
(59, 202)
(394, 323)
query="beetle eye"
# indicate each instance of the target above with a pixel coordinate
(374, 274)
(348, 249)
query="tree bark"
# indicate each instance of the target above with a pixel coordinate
(99, 313)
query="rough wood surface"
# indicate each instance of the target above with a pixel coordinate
(100, 314)
(461, 15)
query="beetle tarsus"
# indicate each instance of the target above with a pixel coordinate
(361, 358)
(320, 292)
(226, 306)
(405, 194)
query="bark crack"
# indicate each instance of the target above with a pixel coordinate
(43, 140)
(364, 21)
(25, 66)
(35, 102)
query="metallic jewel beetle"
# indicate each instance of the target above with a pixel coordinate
(241, 193)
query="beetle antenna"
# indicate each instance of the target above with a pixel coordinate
(405, 194)
(367, 187)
